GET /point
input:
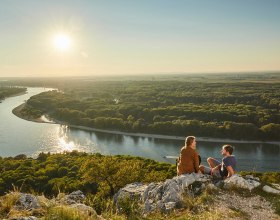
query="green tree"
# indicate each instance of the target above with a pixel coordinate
(111, 172)
(271, 130)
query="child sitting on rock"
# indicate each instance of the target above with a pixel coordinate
(223, 169)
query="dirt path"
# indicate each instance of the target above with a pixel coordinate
(255, 207)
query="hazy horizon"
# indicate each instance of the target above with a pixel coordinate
(88, 38)
(136, 75)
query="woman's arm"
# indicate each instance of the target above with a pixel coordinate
(196, 163)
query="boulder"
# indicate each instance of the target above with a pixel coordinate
(27, 202)
(74, 197)
(269, 189)
(238, 181)
(169, 194)
(153, 190)
(133, 191)
(171, 191)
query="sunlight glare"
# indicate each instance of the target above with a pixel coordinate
(66, 146)
(62, 42)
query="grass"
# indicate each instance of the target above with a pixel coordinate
(238, 213)
(186, 214)
(232, 189)
(194, 206)
(267, 177)
(272, 198)
(8, 210)
(49, 209)
(7, 203)
(65, 212)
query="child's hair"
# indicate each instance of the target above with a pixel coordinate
(228, 148)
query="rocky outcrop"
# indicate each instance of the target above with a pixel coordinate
(163, 196)
(30, 204)
(168, 195)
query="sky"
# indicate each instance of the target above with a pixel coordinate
(138, 37)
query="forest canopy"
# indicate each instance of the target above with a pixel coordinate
(10, 91)
(71, 171)
(239, 108)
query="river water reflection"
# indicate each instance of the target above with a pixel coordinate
(18, 136)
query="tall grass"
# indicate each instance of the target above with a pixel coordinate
(68, 213)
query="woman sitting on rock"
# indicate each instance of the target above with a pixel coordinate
(188, 161)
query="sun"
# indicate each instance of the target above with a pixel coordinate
(62, 42)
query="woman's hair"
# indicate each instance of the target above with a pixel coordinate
(189, 140)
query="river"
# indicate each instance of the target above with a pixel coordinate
(18, 136)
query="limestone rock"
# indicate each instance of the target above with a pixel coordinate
(171, 191)
(170, 206)
(153, 190)
(135, 188)
(27, 202)
(74, 197)
(251, 177)
(168, 195)
(133, 191)
(269, 189)
(163, 196)
(187, 179)
(238, 181)
(211, 186)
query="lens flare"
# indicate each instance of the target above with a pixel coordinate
(62, 42)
